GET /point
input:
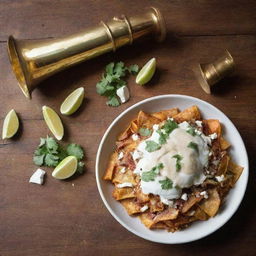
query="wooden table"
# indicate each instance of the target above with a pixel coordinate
(69, 218)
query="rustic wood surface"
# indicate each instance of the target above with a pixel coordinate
(61, 219)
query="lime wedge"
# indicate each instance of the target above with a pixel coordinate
(53, 122)
(66, 168)
(11, 125)
(72, 102)
(147, 72)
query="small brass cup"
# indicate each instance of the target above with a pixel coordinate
(211, 73)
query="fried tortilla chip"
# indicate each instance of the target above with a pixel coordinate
(200, 214)
(134, 126)
(236, 170)
(146, 120)
(163, 115)
(223, 165)
(111, 166)
(123, 193)
(211, 205)
(120, 177)
(147, 219)
(131, 206)
(141, 197)
(224, 145)
(188, 114)
(155, 204)
(212, 126)
(168, 214)
(191, 202)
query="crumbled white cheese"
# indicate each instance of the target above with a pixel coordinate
(198, 123)
(184, 197)
(210, 153)
(170, 118)
(123, 94)
(37, 177)
(120, 155)
(220, 178)
(204, 194)
(135, 137)
(123, 170)
(136, 155)
(166, 201)
(125, 185)
(155, 127)
(213, 136)
(198, 132)
(143, 208)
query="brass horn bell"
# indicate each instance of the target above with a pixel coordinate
(34, 60)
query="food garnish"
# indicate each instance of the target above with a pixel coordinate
(112, 79)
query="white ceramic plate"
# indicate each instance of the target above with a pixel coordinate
(198, 229)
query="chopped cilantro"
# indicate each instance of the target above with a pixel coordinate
(112, 79)
(191, 131)
(194, 146)
(152, 146)
(144, 132)
(166, 184)
(151, 175)
(169, 126)
(162, 137)
(178, 161)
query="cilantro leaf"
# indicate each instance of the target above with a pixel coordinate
(38, 160)
(144, 132)
(178, 161)
(191, 131)
(133, 69)
(113, 101)
(169, 126)
(194, 146)
(151, 175)
(42, 142)
(51, 160)
(51, 144)
(166, 184)
(75, 150)
(162, 137)
(113, 79)
(152, 146)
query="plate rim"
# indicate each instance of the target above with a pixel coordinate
(106, 133)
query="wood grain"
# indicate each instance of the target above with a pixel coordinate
(59, 219)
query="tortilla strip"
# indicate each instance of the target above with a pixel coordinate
(211, 205)
(146, 120)
(191, 202)
(200, 214)
(131, 206)
(224, 145)
(155, 204)
(147, 219)
(163, 115)
(111, 166)
(123, 193)
(141, 197)
(188, 114)
(223, 165)
(128, 176)
(236, 170)
(134, 126)
(168, 214)
(212, 126)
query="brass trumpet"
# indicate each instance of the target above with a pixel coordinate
(35, 60)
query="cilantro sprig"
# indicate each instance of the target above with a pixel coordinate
(151, 175)
(50, 153)
(191, 131)
(145, 132)
(166, 184)
(112, 79)
(152, 146)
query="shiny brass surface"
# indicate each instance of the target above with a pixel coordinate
(35, 60)
(211, 73)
